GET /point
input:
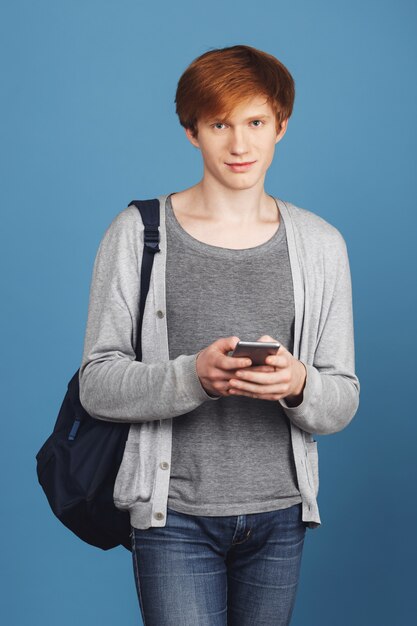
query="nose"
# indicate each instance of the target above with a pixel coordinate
(238, 141)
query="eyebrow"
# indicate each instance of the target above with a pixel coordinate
(264, 116)
(222, 120)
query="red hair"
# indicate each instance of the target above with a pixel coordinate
(219, 80)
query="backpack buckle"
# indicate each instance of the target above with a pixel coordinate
(152, 240)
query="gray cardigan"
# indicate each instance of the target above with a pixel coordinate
(149, 394)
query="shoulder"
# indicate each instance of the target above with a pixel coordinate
(126, 227)
(311, 229)
(126, 220)
(122, 241)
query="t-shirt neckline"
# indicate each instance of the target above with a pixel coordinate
(207, 248)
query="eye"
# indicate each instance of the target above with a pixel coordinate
(219, 125)
(257, 123)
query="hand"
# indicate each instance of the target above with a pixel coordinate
(215, 368)
(285, 379)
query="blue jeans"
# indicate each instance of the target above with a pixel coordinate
(238, 570)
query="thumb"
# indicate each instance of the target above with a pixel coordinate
(266, 338)
(224, 344)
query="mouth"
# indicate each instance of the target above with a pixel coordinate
(240, 167)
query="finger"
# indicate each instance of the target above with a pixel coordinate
(225, 344)
(221, 375)
(240, 392)
(277, 360)
(282, 350)
(251, 387)
(266, 338)
(222, 388)
(260, 368)
(233, 362)
(260, 378)
(258, 396)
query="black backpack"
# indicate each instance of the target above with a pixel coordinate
(78, 463)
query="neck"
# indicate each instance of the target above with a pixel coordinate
(238, 207)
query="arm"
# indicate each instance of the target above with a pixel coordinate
(331, 392)
(113, 386)
(319, 397)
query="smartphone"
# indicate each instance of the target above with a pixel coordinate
(257, 351)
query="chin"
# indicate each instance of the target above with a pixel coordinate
(240, 184)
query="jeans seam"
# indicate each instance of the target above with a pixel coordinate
(135, 560)
(290, 566)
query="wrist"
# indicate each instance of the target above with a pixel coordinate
(207, 389)
(296, 396)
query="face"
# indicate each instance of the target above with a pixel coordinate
(238, 151)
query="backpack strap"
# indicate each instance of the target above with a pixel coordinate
(149, 210)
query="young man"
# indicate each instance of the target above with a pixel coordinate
(220, 470)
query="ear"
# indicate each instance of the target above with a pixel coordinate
(191, 137)
(282, 132)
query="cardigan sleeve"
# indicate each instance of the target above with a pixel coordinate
(331, 393)
(113, 385)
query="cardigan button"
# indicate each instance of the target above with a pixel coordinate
(160, 314)
(159, 516)
(164, 465)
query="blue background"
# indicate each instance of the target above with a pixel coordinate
(87, 124)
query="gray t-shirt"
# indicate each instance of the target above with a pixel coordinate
(232, 456)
